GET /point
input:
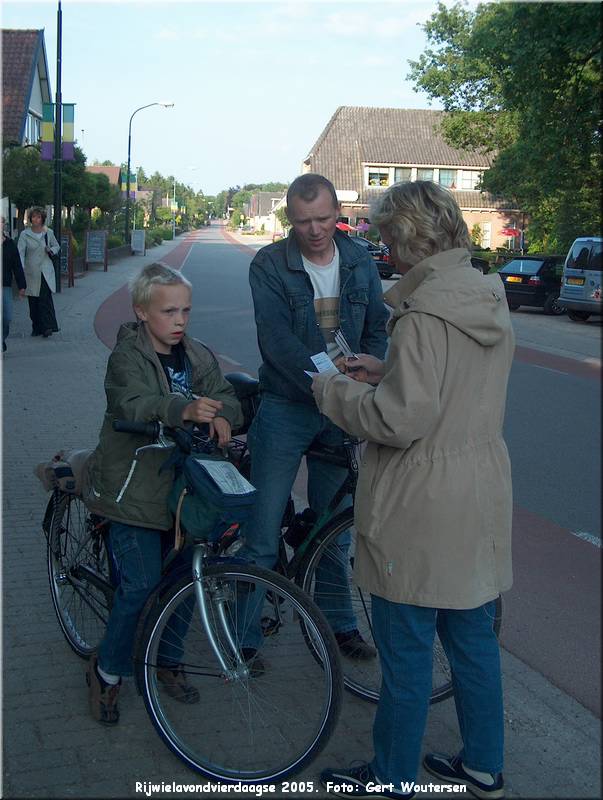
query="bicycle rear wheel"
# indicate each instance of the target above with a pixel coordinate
(361, 677)
(252, 728)
(78, 573)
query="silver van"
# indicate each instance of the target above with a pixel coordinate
(581, 282)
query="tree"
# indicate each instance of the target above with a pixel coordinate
(26, 179)
(73, 179)
(522, 82)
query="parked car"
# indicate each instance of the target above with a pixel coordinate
(533, 281)
(581, 284)
(380, 254)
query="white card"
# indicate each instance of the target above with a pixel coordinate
(323, 363)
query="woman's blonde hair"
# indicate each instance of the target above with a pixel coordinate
(154, 275)
(422, 219)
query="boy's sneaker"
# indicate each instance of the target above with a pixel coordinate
(352, 645)
(175, 684)
(353, 782)
(102, 696)
(451, 770)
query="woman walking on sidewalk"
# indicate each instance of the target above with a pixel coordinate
(36, 245)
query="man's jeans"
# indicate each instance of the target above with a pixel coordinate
(279, 435)
(138, 556)
(404, 635)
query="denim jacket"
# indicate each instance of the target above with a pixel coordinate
(288, 332)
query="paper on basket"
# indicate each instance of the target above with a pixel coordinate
(226, 477)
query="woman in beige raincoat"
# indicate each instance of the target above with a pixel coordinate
(433, 506)
(36, 246)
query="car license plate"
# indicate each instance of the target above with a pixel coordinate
(575, 281)
(513, 279)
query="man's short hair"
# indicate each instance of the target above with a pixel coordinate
(308, 186)
(154, 275)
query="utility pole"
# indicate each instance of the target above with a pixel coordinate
(174, 212)
(58, 149)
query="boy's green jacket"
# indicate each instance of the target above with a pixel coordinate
(122, 487)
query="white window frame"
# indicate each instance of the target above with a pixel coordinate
(471, 177)
(455, 179)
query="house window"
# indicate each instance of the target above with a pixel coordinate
(486, 234)
(448, 178)
(378, 177)
(32, 129)
(424, 174)
(470, 179)
(402, 174)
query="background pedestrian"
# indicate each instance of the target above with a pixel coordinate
(36, 246)
(11, 268)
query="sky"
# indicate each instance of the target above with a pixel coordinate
(253, 83)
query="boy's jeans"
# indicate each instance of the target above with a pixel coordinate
(138, 555)
(280, 433)
(404, 636)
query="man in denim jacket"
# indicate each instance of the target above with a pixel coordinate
(304, 288)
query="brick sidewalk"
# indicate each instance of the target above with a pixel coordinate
(53, 398)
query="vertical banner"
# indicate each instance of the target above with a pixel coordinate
(124, 183)
(68, 133)
(47, 151)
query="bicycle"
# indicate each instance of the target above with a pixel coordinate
(307, 544)
(252, 725)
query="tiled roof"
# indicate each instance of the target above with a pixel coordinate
(359, 135)
(113, 173)
(20, 50)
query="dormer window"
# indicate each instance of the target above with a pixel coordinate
(378, 176)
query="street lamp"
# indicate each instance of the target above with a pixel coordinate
(158, 103)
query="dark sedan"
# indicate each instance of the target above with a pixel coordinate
(380, 255)
(533, 281)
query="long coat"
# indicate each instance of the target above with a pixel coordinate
(36, 261)
(434, 498)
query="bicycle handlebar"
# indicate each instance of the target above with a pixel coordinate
(150, 429)
(189, 438)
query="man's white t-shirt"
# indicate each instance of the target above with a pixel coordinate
(325, 282)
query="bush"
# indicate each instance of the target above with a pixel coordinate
(114, 241)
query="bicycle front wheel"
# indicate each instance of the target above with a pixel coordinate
(78, 573)
(251, 725)
(326, 575)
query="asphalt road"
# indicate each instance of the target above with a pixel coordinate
(553, 432)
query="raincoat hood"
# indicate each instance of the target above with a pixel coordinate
(447, 286)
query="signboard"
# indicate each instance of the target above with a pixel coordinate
(96, 248)
(66, 259)
(347, 196)
(137, 243)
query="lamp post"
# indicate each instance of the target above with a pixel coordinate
(157, 103)
(174, 213)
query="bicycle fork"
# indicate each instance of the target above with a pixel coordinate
(219, 601)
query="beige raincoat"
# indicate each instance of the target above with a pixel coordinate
(434, 499)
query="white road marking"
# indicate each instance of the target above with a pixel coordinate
(550, 369)
(587, 537)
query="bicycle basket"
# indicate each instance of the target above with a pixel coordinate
(217, 496)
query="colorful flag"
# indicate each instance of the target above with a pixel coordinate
(47, 152)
